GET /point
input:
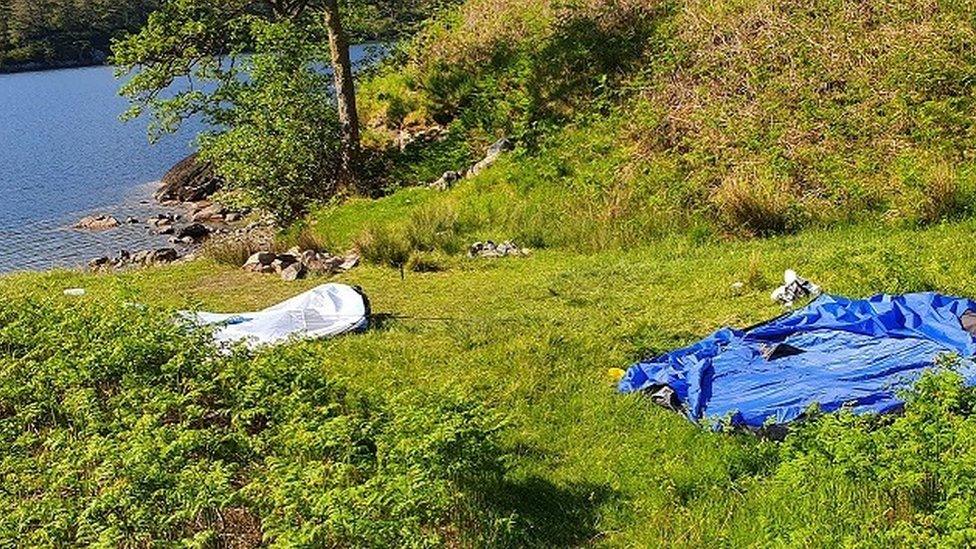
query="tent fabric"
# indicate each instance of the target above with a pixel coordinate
(326, 311)
(834, 352)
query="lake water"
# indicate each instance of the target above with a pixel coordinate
(64, 154)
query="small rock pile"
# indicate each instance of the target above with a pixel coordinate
(406, 138)
(97, 223)
(494, 152)
(296, 264)
(164, 223)
(491, 250)
(144, 258)
(205, 211)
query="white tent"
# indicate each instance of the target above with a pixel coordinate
(325, 311)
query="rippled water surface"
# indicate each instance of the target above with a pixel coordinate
(65, 154)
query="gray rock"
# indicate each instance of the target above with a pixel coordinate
(503, 145)
(282, 262)
(163, 255)
(294, 271)
(319, 263)
(494, 152)
(141, 257)
(190, 180)
(194, 232)
(99, 263)
(491, 250)
(260, 262)
(97, 223)
(349, 262)
(210, 212)
(132, 220)
(446, 181)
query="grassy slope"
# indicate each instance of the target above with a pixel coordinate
(535, 337)
(758, 117)
(624, 193)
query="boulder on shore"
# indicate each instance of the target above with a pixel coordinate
(193, 232)
(190, 180)
(97, 223)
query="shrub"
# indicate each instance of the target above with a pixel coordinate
(423, 262)
(120, 426)
(932, 190)
(233, 251)
(383, 245)
(435, 227)
(918, 467)
(755, 203)
(305, 237)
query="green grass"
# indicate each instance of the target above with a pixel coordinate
(534, 338)
(756, 117)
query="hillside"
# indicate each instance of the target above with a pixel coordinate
(37, 34)
(671, 160)
(748, 118)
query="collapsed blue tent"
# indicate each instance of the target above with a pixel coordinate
(834, 352)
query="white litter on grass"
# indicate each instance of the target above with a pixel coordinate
(75, 292)
(794, 288)
(326, 311)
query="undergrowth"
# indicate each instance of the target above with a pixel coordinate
(121, 426)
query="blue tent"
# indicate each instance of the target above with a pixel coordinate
(834, 352)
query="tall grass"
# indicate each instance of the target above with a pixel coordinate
(753, 117)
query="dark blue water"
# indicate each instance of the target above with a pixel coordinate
(65, 154)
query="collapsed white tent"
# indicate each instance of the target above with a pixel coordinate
(326, 311)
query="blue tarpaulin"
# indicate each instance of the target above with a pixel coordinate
(834, 352)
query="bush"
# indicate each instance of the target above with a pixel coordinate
(435, 227)
(932, 190)
(757, 204)
(915, 470)
(305, 237)
(233, 251)
(383, 245)
(120, 427)
(422, 262)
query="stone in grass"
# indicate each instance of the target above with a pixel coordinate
(282, 261)
(295, 271)
(491, 250)
(446, 181)
(260, 262)
(349, 262)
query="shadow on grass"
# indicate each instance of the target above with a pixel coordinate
(548, 515)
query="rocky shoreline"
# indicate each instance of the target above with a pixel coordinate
(187, 188)
(39, 66)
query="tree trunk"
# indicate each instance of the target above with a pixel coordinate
(345, 89)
